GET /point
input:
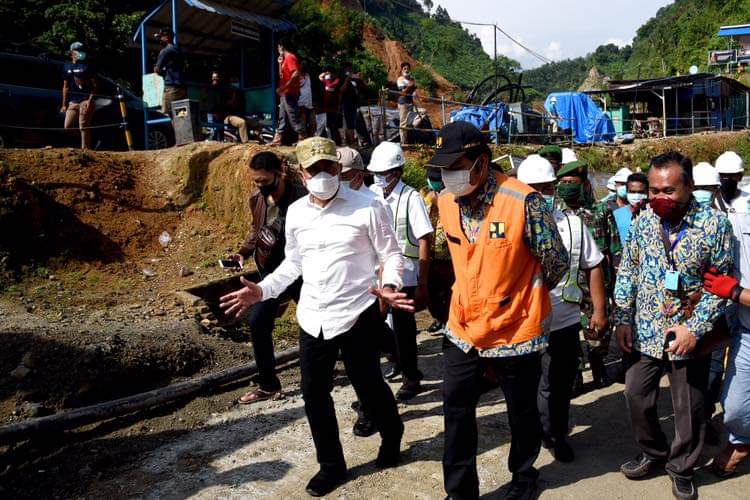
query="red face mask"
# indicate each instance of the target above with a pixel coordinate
(668, 209)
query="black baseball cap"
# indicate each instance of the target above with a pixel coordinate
(453, 141)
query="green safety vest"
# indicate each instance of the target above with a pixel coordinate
(406, 239)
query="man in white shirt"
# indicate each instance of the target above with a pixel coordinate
(413, 231)
(731, 168)
(332, 238)
(560, 360)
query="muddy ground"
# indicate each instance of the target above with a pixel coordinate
(265, 451)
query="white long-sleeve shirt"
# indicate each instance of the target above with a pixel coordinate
(333, 249)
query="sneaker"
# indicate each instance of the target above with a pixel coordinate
(521, 490)
(325, 482)
(563, 452)
(408, 390)
(684, 489)
(391, 371)
(639, 466)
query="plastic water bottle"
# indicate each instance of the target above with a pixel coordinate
(165, 239)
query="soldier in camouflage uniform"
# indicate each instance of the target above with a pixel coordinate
(603, 228)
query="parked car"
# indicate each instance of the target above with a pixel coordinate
(30, 99)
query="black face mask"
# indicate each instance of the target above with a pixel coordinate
(728, 188)
(268, 189)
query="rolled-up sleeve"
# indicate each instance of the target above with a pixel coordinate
(710, 307)
(544, 241)
(288, 271)
(385, 244)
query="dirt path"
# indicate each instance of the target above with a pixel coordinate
(266, 452)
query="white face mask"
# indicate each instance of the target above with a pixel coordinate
(458, 181)
(381, 181)
(347, 184)
(323, 185)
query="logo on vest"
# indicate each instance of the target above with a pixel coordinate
(497, 230)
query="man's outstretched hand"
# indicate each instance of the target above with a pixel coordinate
(239, 302)
(395, 299)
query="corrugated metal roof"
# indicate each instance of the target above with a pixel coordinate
(743, 29)
(243, 14)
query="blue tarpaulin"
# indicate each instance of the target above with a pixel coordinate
(484, 118)
(578, 113)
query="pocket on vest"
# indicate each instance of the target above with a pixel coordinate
(502, 312)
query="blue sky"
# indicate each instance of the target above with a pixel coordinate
(556, 29)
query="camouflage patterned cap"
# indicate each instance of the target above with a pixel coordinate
(350, 159)
(315, 149)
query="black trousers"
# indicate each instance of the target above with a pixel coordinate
(688, 381)
(715, 379)
(519, 380)
(559, 368)
(360, 354)
(405, 332)
(262, 319)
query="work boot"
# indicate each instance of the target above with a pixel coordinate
(639, 466)
(408, 390)
(276, 140)
(683, 489)
(325, 481)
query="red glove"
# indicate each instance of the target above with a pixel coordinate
(721, 285)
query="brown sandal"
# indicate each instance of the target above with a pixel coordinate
(259, 395)
(726, 462)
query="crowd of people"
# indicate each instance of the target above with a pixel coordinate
(514, 269)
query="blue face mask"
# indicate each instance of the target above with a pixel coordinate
(436, 186)
(549, 201)
(703, 197)
(622, 192)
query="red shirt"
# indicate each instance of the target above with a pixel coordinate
(288, 67)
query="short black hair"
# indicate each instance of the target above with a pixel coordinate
(434, 174)
(666, 159)
(284, 42)
(638, 177)
(405, 64)
(265, 160)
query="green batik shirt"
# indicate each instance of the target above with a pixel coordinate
(544, 243)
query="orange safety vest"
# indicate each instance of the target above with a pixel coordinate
(499, 297)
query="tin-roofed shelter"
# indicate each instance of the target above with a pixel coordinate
(737, 52)
(677, 105)
(241, 34)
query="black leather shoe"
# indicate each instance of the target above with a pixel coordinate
(325, 482)
(563, 452)
(408, 390)
(639, 466)
(521, 490)
(364, 427)
(683, 489)
(389, 454)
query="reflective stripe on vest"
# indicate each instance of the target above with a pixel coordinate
(408, 247)
(571, 289)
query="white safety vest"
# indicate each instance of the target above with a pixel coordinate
(571, 231)
(409, 245)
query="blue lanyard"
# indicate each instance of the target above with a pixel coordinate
(669, 247)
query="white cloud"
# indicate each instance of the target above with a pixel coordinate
(554, 51)
(617, 41)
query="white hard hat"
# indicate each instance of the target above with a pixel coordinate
(535, 170)
(386, 156)
(568, 155)
(350, 159)
(729, 163)
(611, 184)
(705, 175)
(621, 177)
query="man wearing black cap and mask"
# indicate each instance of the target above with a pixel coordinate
(507, 255)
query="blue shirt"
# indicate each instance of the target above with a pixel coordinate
(623, 217)
(641, 298)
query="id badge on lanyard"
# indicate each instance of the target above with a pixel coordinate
(672, 277)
